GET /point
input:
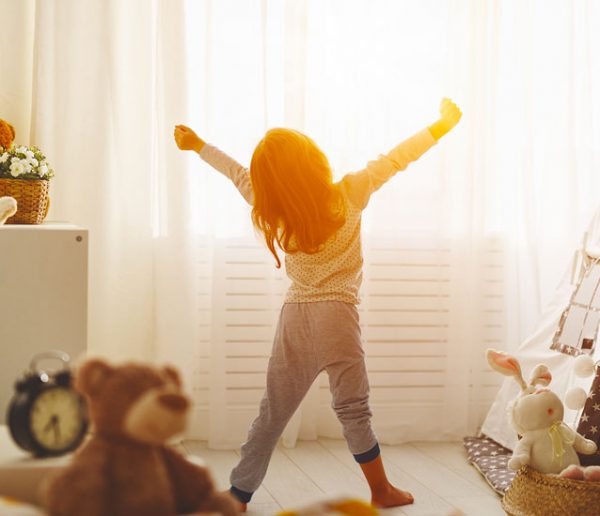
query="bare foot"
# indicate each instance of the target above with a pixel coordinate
(391, 497)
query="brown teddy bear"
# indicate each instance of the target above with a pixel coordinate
(125, 467)
(7, 134)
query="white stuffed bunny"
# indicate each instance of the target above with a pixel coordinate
(547, 444)
(8, 207)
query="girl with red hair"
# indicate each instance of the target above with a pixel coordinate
(316, 223)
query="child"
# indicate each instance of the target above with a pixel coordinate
(316, 222)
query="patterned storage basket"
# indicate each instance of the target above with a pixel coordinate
(535, 494)
(31, 196)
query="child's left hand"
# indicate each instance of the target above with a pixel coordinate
(450, 112)
(450, 116)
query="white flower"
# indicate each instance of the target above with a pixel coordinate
(29, 155)
(27, 166)
(22, 149)
(34, 162)
(43, 169)
(4, 157)
(17, 168)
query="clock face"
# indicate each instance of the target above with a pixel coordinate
(56, 419)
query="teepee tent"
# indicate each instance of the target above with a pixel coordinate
(568, 323)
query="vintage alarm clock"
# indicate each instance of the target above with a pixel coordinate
(46, 416)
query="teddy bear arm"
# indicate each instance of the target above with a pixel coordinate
(192, 484)
(220, 503)
(76, 490)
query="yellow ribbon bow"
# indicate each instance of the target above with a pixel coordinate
(560, 434)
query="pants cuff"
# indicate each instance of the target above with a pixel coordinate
(368, 456)
(242, 496)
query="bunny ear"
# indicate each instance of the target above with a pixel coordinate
(503, 363)
(506, 364)
(540, 375)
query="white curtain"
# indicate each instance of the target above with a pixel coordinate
(461, 252)
(108, 84)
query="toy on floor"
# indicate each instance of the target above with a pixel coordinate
(547, 444)
(347, 506)
(125, 468)
(7, 135)
(8, 207)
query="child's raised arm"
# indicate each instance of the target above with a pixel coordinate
(360, 185)
(187, 139)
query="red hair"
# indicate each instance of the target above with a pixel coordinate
(296, 205)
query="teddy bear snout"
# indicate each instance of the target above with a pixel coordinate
(173, 401)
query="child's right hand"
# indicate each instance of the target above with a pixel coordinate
(187, 139)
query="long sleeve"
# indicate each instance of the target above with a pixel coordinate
(360, 185)
(239, 175)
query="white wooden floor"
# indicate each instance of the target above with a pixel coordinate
(437, 474)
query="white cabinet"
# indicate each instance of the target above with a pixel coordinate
(43, 296)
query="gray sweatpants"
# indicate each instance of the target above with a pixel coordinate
(310, 338)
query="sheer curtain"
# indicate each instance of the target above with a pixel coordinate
(461, 251)
(102, 107)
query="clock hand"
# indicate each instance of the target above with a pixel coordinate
(56, 431)
(51, 423)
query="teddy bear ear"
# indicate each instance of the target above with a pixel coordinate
(92, 375)
(172, 374)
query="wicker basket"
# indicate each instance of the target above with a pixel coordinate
(535, 494)
(31, 196)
